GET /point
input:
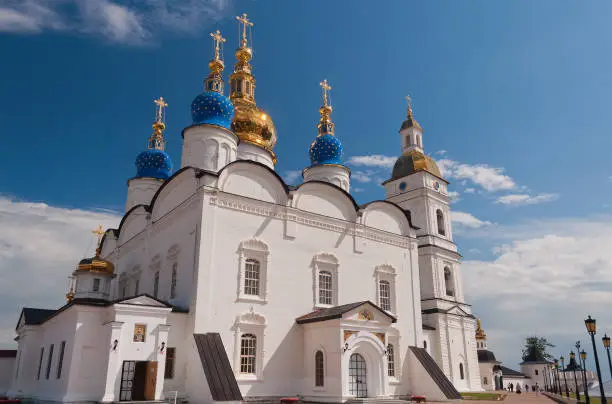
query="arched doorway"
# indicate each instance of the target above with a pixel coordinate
(358, 375)
(497, 385)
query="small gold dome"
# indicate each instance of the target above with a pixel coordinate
(96, 264)
(253, 125)
(480, 333)
(412, 162)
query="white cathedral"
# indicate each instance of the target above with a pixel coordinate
(223, 283)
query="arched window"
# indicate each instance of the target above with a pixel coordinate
(390, 361)
(448, 282)
(325, 288)
(384, 290)
(251, 277)
(425, 344)
(485, 381)
(173, 281)
(156, 284)
(440, 220)
(407, 140)
(461, 375)
(319, 369)
(248, 353)
(136, 286)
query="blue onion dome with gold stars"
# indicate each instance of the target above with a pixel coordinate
(155, 162)
(326, 148)
(212, 107)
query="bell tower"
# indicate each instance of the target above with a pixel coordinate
(418, 187)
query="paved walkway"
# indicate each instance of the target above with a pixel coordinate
(513, 398)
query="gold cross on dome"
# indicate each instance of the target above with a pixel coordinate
(161, 105)
(409, 100)
(99, 232)
(244, 23)
(217, 41)
(326, 87)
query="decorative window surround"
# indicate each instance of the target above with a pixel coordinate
(320, 369)
(325, 262)
(255, 324)
(393, 339)
(386, 273)
(259, 251)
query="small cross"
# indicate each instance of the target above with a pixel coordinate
(409, 99)
(161, 104)
(326, 87)
(242, 20)
(99, 232)
(217, 41)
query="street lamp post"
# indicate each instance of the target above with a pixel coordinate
(584, 379)
(573, 359)
(606, 342)
(591, 329)
(564, 377)
(557, 380)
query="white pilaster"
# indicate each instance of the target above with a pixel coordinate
(115, 361)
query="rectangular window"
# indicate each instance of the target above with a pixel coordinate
(384, 290)
(170, 358)
(390, 361)
(173, 281)
(60, 362)
(156, 284)
(96, 285)
(325, 288)
(42, 353)
(137, 287)
(248, 350)
(140, 330)
(251, 277)
(49, 362)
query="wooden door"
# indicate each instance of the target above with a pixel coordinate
(150, 381)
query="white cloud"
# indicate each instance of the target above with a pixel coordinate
(374, 160)
(362, 176)
(454, 196)
(39, 248)
(291, 176)
(441, 152)
(489, 178)
(357, 189)
(547, 276)
(467, 220)
(525, 199)
(469, 190)
(133, 22)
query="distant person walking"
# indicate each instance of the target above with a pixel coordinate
(526, 388)
(537, 389)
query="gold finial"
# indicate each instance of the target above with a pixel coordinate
(326, 87)
(326, 126)
(409, 100)
(99, 232)
(480, 333)
(161, 108)
(217, 41)
(244, 23)
(157, 141)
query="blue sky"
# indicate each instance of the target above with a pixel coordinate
(513, 97)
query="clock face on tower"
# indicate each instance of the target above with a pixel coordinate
(436, 185)
(402, 186)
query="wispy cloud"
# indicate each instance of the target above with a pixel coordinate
(441, 152)
(483, 175)
(134, 22)
(525, 199)
(374, 160)
(292, 176)
(454, 196)
(362, 176)
(467, 220)
(39, 247)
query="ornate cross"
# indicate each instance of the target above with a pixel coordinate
(326, 87)
(217, 41)
(244, 22)
(99, 232)
(161, 105)
(409, 100)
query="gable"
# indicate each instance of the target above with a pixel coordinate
(143, 300)
(357, 311)
(368, 312)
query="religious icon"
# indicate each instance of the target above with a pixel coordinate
(365, 315)
(139, 332)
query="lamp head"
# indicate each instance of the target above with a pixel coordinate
(572, 355)
(606, 341)
(583, 355)
(591, 325)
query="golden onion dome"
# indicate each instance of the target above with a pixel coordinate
(253, 125)
(412, 162)
(96, 264)
(480, 333)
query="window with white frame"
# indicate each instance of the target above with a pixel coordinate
(251, 277)
(385, 287)
(440, 222)
(390, 361)
(254, 256)
(449, 282)
(384, 290)
(248, 356)
(248, 353)
(326, 292)
(325, 271)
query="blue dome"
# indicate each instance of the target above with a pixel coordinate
(326, 149)
(154, 163)
(212, 108)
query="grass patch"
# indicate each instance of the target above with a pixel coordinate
(482, 396)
